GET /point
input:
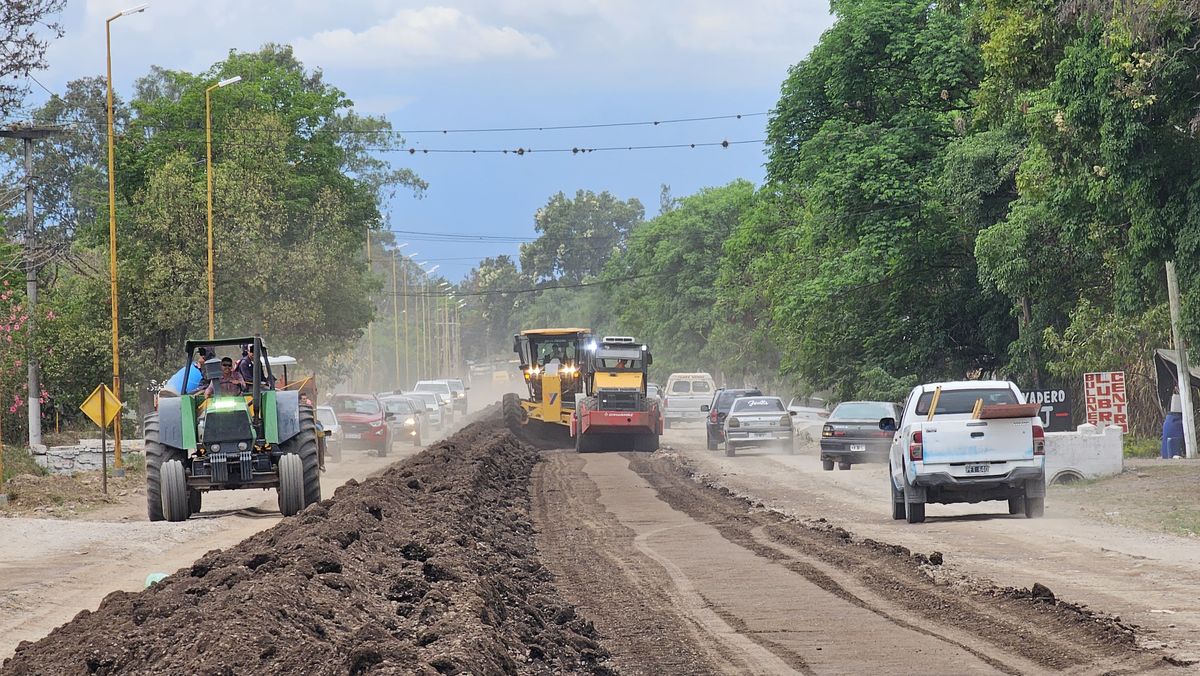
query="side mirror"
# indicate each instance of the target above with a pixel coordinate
(887, 424)
(705, 408)
(389, 416)
(326, 433)
(792, 413)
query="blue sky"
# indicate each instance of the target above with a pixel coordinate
(498, 63)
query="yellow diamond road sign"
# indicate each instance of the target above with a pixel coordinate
(91, 406)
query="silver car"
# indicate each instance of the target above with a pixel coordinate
(758, 421)
(434, 406)
(333, 440)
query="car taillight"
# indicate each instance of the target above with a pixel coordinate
(733, 422)
(1039, 440)
(915, 449)
(827, 430)
(785, 421)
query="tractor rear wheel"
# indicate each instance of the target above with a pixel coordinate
(291, 484)
(304, 446)
(156, 454)
(176, 503)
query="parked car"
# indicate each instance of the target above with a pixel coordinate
(442, 389)
(852, 434)
(653, 390)
(408, 420)
(967, 441)
(459, 389)
(714, 424)
(433, 408)
(327, 419)
(364, 421)
(685, 394)
(758, 421)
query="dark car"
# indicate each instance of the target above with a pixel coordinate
(714, 422)
(364, 422)
(852, 434)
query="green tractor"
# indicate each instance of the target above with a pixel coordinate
(265, 438)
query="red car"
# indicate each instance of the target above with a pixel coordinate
(364, 422)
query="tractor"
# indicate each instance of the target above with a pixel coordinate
(264, 438)
(552, 364)
(613, 411)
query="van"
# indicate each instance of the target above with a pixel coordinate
(684, 396)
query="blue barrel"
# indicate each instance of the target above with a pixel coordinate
(1172, 436)
(175, 382)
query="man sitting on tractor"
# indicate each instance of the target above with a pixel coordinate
(231, 383)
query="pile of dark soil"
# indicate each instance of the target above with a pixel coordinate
(428, 568)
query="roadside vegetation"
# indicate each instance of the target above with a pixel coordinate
(953, 189)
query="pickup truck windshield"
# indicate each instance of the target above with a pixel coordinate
(963, 401)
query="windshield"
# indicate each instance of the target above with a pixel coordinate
(963, 401)
(726, 397)
(356, 406)
(457, 385)
(397, 405)
(429, 398)
(326, 417)
(430, 386)
(864, 410)
(757, 405)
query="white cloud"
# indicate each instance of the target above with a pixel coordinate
(421, 37)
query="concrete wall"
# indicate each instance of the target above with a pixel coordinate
(1087, 453)
(82, 457)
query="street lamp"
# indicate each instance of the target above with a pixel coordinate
(118, 465)
(396, 314)
(212, 304)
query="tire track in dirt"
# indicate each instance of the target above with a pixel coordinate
(1016, 632)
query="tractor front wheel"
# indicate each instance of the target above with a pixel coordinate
(291, 484)
(176, 503)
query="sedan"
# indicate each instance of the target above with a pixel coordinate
(408, 415)
(758, 421)
(852, 434)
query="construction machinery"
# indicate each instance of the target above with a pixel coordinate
(583, 389)
(613, 411)
(552, 363)
(264, 438)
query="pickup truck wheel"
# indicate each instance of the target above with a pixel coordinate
(897, 500)
(844, 465)
(730, 448)
(827, 464)
(1016, 505)
(914, 512)
(1035, 508)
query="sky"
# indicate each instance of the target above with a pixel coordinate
(483, 64)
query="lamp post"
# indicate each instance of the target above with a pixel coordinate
(118, 465)
(407, 345)
(396, 315)
(212, 304)
(443, 321)
(426, 312)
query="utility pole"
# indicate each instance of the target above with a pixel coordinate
(370, 337)
(1185, 373)
(404, 270)
(395, 324)
(33, 398)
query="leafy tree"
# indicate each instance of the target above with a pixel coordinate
(26, 29)
(578, 235)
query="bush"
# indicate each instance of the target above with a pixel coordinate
(17, 461)
(1141, 447)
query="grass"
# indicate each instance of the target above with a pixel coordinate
(1141, 447)
(18, 461)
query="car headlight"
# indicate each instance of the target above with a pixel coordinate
(410, 421)
(376, 423)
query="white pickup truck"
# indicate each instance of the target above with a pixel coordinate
(685, 394)
(967, 441)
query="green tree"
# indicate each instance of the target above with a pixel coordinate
(578, 235)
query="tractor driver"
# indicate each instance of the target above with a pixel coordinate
(231, 383)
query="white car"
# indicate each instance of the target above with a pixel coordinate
(966, 441)
(433, 405)
(442, 389)
(333, 439)
(758, 421)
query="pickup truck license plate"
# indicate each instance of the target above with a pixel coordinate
(759, 435)
(353, 435)
(858, 448)
(979, 469)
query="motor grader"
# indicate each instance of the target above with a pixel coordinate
(550, 361)
(265, 438)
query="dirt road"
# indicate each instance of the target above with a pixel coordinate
(1146, 578)
(51, 569)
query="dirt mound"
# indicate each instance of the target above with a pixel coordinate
(429, 568)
